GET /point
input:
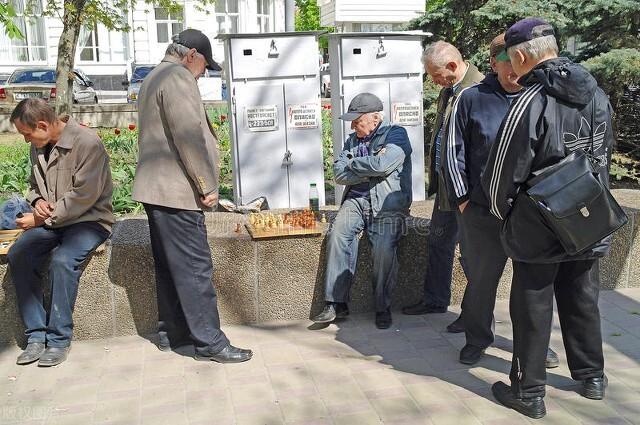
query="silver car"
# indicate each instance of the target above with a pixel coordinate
(40, 82)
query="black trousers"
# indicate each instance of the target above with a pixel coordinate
(187, 300)
(484, 260)
(576, 286)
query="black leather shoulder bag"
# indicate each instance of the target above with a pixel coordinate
(574, 203)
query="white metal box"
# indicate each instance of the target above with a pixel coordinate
(276, 128)
(388, 65)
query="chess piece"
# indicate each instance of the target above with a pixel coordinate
(323, 219)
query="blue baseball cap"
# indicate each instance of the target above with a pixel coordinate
(526, 30)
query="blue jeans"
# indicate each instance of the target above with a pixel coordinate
(71, 245)
(384, 234)
(441, 245)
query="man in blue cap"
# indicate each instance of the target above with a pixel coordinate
(560, 110)
(375, 167)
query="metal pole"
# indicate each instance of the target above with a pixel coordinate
(289, 15)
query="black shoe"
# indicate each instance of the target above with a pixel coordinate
(593, 388)
(383, 319)
(228, 354)
(32, 352)
(165, 345)
(53, 356)
(422, 308)
(457, 326)
(531, 407)
(552, 359)
(470, 354)
(342, 310)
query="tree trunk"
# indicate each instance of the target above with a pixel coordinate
(72, 23)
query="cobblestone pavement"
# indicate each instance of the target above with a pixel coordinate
(348, 373)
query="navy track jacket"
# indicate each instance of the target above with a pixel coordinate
(475, 120)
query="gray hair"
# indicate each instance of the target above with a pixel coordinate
(175, 49)
(440, 53)
(536, 49)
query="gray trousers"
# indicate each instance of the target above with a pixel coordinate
(484, 259)
(353, 217)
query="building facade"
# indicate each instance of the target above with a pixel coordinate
(369, 15)
(106, 56)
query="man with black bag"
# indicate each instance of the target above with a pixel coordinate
(561, 110)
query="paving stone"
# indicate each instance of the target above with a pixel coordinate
(349, 373)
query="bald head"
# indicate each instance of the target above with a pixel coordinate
(444, 63)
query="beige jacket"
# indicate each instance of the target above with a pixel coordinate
(77, 178)
(178, 153)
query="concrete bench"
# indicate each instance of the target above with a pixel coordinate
(268, 280)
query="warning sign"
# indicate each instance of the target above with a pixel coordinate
(406, 114)
(304, 115)
(261, 118)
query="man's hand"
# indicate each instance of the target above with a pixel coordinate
(462, 206)
(210, 200)
(29, 221)
(43, 209)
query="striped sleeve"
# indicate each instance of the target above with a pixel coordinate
(509, 162)
(454, 161)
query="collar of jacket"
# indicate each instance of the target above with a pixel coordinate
(69, 132)
(470, 77)
(174, 60)
(380, 129)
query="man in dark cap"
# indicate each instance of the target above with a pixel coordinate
(375, 167)
(176, 180)
(561, 109)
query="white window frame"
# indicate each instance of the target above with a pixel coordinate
(228, 16)
(94, 47)
(168, 23)
(269, 16)
(8, 47)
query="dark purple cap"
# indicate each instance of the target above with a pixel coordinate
(526, 30)
(195, 39)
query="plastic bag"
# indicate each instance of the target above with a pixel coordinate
(10, 209)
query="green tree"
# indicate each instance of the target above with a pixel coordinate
(7, 13)
(308, 19)
(615, 70)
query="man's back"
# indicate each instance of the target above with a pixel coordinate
(177, 149)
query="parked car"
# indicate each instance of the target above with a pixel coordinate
(40, 82)
(133, 85)
(325, 81)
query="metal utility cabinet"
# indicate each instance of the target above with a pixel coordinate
(387, 64)
(276, 129)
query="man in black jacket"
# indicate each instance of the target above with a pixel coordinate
(475, 120)
(560, 110)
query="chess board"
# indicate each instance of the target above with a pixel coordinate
(294, 223)
(7, 238)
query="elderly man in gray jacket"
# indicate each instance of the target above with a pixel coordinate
(375, 167)
(176, 180)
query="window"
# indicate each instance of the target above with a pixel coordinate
(88, 44)
(265, 15)
(168, 24)
(227, 15)
(33, 47)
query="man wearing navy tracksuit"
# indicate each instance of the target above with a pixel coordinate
(475, 120)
